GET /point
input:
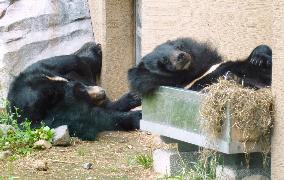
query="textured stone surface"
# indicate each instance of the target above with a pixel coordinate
(172, 162)
(277, 154)
(87, 165)
(40, 165)
(5, 154)
(235, 27)
(34, 30)
(42, 144)
(113, 23)
(255, 177)
(61, 136)
(237, 173)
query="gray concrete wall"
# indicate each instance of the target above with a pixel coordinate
(235, 27)
(113, 24)
(278, 90)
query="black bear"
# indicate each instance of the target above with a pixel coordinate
(53, 84)
(254, 72)
(87, 111)
(183, 61)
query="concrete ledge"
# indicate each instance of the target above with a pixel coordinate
(193, 138)
(174, 113)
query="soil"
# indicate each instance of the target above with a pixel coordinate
(113, 156)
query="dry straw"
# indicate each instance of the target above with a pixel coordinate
(251, 112)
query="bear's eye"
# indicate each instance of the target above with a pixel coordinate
(180, 47)
(165, 60)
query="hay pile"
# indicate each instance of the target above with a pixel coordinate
(251, 112)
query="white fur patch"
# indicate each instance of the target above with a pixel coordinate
(137, 108)
(212, 68)
(57, 78)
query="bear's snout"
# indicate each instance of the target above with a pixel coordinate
(96, 92)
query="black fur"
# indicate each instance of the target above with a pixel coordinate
(57, 91)
(254, 72)
(160, 67)
(85, 119)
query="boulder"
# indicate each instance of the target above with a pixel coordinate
(40, 165)
(42, 144)
(33, 30)
(5, 154)
(61, 136)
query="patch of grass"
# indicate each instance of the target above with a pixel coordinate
(82, 151)
(174, 178)
(203, 168)
(131, 161)
(113, 169)
(144, 160)
(19, 139)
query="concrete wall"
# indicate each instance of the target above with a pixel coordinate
(113, 24)
(278, 90)
(235, 27)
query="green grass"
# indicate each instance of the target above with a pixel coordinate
(204, 168)
(144, 160)
(82, 152)
(20, 140)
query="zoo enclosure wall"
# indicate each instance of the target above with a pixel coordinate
(132, 28)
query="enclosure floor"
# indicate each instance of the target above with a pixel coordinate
(112, 155)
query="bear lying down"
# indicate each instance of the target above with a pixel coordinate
(185, 62)
(87, 111)
(62, 90)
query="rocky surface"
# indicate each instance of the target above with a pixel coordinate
(33, 30)
(5, 154)
(61, 136)
(87, 165)
(4, 129)
(40, 165)
(42, 144)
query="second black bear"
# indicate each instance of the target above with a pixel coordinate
(87, 111)
(62, 90)
(183, 61)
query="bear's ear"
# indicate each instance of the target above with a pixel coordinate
(170, 42)
(99, 48)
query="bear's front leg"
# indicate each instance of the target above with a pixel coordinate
(127, 102)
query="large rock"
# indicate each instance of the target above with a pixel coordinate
(5, 129)
(33, 30)
(5, 154)
(61, 136)
(40, 165)
(42, 144)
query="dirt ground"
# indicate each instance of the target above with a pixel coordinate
(112, 155)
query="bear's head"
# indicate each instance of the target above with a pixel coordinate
(90, 50)
(167, 58)
(93, 95)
